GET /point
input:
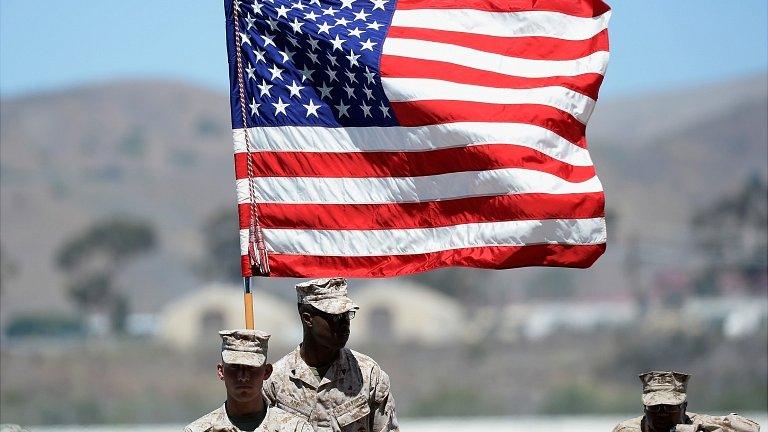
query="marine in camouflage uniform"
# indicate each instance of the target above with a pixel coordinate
(665, 400)
(276, 420)
(243, 369)
(333, 387)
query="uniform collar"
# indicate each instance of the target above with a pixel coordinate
(301, 371)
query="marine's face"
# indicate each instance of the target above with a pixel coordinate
(331, 330)
(663, 418)
(243, 382)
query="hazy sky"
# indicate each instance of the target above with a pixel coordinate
(48, 44)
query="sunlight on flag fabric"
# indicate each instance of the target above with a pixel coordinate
(390, 137)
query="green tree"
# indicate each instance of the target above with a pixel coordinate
(93, 257)
(732, 234)
(8, 267)
(222, 251)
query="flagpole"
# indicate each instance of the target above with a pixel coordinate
(257, 252)
(248, 300)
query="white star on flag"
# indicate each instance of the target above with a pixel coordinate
(268, 40)
(331, 74)
(384, 110)
(296, 25)
(337, 42)
(280, 106)
(362, 16)
(324, 28)
(244, 39)
(259, 55)
(368, 45)
(295, 89)
(352, 58)
(366, 110)
(287, 55)
(276, 72)
(306, 74)
(250, 20)
(378, 4)
(250, 71)
(254, 107)
(312, 108)
(350, 91)
(325, 91)
(264, 88)
(282, 12)
(272, 23)
(342, 21)
(342, 109)
(368, 74)
(356, 32)
(314, 43)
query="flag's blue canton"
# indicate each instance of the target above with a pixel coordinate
(310, 62)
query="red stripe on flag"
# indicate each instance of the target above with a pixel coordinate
(422, 113)
(427, 214)
(499, 257)
(531, 47)
(579, 8)
(407, 164)
(406, 67)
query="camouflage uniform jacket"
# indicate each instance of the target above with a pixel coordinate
(699, 422)
(276, 420)
(353, 396)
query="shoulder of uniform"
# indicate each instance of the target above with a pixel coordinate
(733, 420)
(630, 425)
(286, 361)
(365, 362)
(281, 420)
(203, 424)
(206, 422)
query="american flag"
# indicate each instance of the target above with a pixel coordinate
(390, 137)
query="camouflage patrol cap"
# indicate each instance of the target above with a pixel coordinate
(664, 388)
(245, 347)
(329, 295)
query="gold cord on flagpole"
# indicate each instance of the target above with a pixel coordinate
(257, 251)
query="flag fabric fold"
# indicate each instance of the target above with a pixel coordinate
(393, 137)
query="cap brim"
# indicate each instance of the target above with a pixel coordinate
(663, 398)
(243, 358)
(335, 306)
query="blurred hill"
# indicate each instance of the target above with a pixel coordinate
(660, 156)
(162, 150)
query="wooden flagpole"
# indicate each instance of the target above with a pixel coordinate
(257, 251)
(248, 300)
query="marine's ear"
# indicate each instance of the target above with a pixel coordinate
(220, 371)
(306, 319)
(267, 370)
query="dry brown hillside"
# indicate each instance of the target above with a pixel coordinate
(163, 150)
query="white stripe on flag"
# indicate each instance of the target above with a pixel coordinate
(505, 24)
(426, 240)
(475, 59)
(417, 89)
(418, 138)
(366, 190)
